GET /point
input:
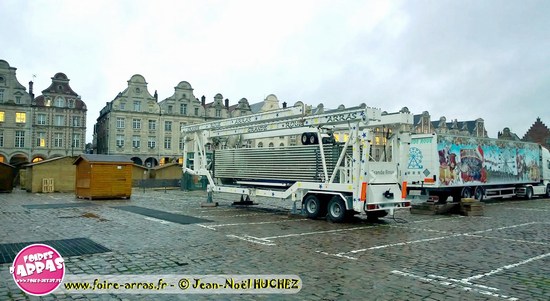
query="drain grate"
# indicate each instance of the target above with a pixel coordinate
(167, 216)
(58, 206)
(66, 247)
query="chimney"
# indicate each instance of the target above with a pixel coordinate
(203, 100)
(284, 105)
(227, 103)
(31, 90)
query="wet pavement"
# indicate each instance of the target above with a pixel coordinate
(502, 255)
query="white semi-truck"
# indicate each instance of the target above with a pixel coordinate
(443, 165)
(328, 178)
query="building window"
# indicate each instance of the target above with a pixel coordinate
(168, 126)
(170, 108)
(167, 143)
(137, 106)
(282, 144)
(41, 139)
(59, 120)
(218, 113)
(2, 116)
(19, 138)
(248, 143)
(182, 143)
(76, 121)
(1, 95)
(41, 119)
(152, 125)
(18, 100)
(20, 117)
(76, 141)
(260, 144)
(183, 109)
(136, 142)
(151, 143)
(196, 111)
(59, 102)
(71, 103)
(271, 144)
(58, 140)
(136, 124)
(1, 138)
(123, 106)
(119, 123)
(120, 140)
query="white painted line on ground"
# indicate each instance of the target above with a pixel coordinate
(157, 220)
(206, 226)
(506, 267)
(431, 239)
(257, 223)
(252, 239)
(463, 282)
(502, 228)
(345, 229)
(318, 232)
(402, 243)
(421, 229)
(509, 239)
(337, 255)
(459, 284)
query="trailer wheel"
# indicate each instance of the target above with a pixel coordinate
(336, 210)
(548, 191)
(313, 138)
(479, 193)
(466, 193)
(312, 206)
(529, 193)
(305, 138)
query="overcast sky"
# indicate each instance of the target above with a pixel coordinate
(459, 59)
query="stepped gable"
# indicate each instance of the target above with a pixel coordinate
(538, 133)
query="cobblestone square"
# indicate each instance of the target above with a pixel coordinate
(502, 255)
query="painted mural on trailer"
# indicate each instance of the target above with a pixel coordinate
(476, 161)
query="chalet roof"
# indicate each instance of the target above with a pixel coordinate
(47, 161)
(6, 164)
(166, 166)
(103, 158)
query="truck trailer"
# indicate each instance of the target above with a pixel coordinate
(327, 177)
(443, 165)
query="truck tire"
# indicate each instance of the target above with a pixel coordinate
(305, 138)
(548, 191)
(529, 193)
(466, 193)
(336, 210)
(312, 206)
(479, 193)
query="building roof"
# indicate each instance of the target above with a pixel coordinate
(103, 158)
(468, 125)
(256, 107)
